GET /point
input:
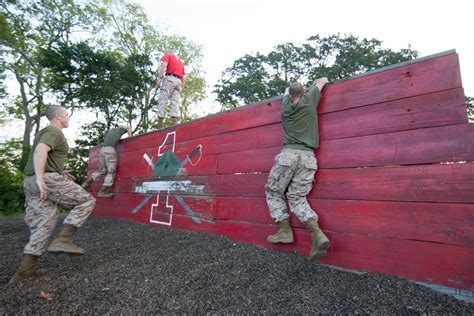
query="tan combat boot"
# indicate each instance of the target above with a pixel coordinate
(63, 243)
(87, 184)
(320, 242)
(26, 270)
(104, 192)
(284, 233)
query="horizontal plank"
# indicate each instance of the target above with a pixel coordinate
(452, 183)
(444, 183)
(435, 222)
(421, 111)
(431, 145)
(451, 266)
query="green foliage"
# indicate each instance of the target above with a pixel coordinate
(25, 27)
(11, 178)
(470, 108)
(253, 78)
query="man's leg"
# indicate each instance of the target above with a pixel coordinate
(96, 174)
(41, 218)
(278, 179)
(110, 158)
(166, 89)
(67, 193)
(297, 192)
(175, 99)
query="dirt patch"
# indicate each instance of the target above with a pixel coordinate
(136, 268)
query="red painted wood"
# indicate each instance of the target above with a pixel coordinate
(431, 145)
(427, 110)
(428, 145)
(382, 196)
(432, 222)
(425, 77)
(425, 183)
(397, 257)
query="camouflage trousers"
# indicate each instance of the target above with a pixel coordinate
(107, 165)
(293, 174)
(42, 216)
(170, 92)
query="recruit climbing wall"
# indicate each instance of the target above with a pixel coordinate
(394, 189)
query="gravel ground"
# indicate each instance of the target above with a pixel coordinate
(135, 268)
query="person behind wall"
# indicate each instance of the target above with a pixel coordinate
(295, 166)
(171, 79)
(46, 186)
(108, 161)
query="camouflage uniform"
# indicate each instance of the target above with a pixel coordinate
(294, 170)
(170, 91)
(107, 165)
(42, 216)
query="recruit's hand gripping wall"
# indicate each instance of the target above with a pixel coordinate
(394, 189)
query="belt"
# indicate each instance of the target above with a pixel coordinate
(174, 75)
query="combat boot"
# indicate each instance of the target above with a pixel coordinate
(87, 184)
(284, 233)
(26, 270)
(320, 243)
(104, 192)
(63, 243)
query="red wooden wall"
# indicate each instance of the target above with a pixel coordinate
(395, 188)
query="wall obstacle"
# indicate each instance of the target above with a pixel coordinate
(394, 189)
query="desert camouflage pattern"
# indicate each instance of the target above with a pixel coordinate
(42, 216)
(107, 166)
(170, 92)
(293, 173)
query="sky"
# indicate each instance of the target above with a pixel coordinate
(227, 30)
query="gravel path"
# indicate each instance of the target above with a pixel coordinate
(135, 268)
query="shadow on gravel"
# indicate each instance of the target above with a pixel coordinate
(136, 268)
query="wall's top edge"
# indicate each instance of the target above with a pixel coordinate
(368, 73)
(382, 69)
(402, 64)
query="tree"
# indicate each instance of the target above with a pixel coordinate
(470, 108)
(253, 78)
(133, 35)
(11, 178)
(244, 82)
(26, 26)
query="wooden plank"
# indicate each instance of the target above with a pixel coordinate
(430, 145)
(421, 111)
(248, 161)
(435, 222)
(425, 183)
(429, 76)
(451, 266)
(422, 183)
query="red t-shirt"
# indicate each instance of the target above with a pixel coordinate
(175, 66)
